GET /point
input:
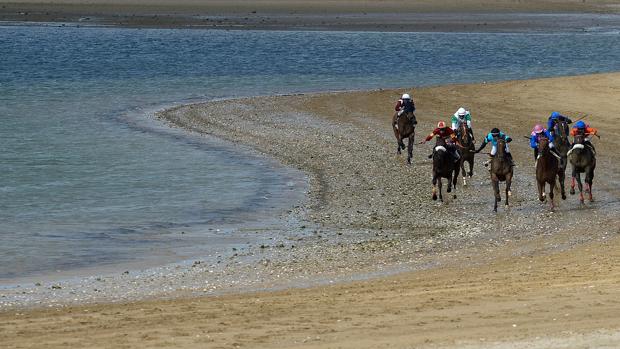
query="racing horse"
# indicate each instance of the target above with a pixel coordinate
(547, 169)
(468, 151)
(582, 159)
(562, 145)
(501, 171)
(404, 127)
(444, 166)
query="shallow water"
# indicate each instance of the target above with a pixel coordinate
(86, 181)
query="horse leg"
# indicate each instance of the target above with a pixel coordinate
(435, 187)
(439, 184)
(541, 191)
(551, 187)
(572, 183)
(471, 167)
(580, 186)
(454, 180)
(497, 197)
(589, 175)
(463, 171)
(410, 148)
(398, 140)
(508, 184)
(561, 178)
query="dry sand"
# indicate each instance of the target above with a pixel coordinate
(524, 278)
(387, 15)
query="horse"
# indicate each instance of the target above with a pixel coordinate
(547, 169)
(404, 127)
(444, 166)
(562, 145)
(582, 159)
(468, 150)
(501, 171)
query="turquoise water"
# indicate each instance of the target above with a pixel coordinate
(85, 181)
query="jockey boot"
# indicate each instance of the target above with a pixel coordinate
(589, 145)
(512, 162)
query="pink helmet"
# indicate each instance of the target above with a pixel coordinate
(538, 128)
(441, 124)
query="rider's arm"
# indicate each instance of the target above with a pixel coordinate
(534, 141)
(484, 144)
(398, 105)
(429, 137)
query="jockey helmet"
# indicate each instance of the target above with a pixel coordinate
(554, 115)
(580, 124)
(405, 96)
(538, 128)
(441, 124)
(495, 132)
(461, 112)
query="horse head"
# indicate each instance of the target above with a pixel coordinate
(579, 139)
(464, 137)
(501, 147)
(543, 144)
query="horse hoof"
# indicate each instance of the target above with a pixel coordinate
(563, 196)
(509, 194)
(449, 189)
(572, 191)
(434, 197)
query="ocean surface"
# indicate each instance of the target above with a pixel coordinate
(88, 179)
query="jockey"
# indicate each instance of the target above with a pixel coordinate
(538, 132)
(585, 130)
(492, 137)
(448, 135)
(462, 116)
(555, 117)
(405, 105)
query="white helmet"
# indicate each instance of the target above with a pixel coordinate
(461, 111)
(405, 96)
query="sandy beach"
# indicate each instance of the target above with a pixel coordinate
(389, 15)
(451, 275)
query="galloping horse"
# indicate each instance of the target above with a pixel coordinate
(444, 166)
(468, 151)
(501, 171)
(583, 160)
(547, 169)
(404, 127)
(562, 145)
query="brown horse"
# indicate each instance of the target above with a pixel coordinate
(404, 127)
(562, 145)
(468, 151)
(582, 159)
(547, 169)
(501, 171)
(444, 166)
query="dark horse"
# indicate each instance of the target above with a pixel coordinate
(501, 171)
(547, 169)
(444, 166)
(562, 145)
(468, 150)
(583, 160)
(404, 127)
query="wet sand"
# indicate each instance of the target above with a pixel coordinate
(525, 277)
(390, 15)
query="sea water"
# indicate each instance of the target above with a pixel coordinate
(86, 180)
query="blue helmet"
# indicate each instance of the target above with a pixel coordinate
(580, 124)
(554, 115)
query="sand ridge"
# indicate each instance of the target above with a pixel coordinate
(389, 15)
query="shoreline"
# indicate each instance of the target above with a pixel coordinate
(347, 15)
(362, 217)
